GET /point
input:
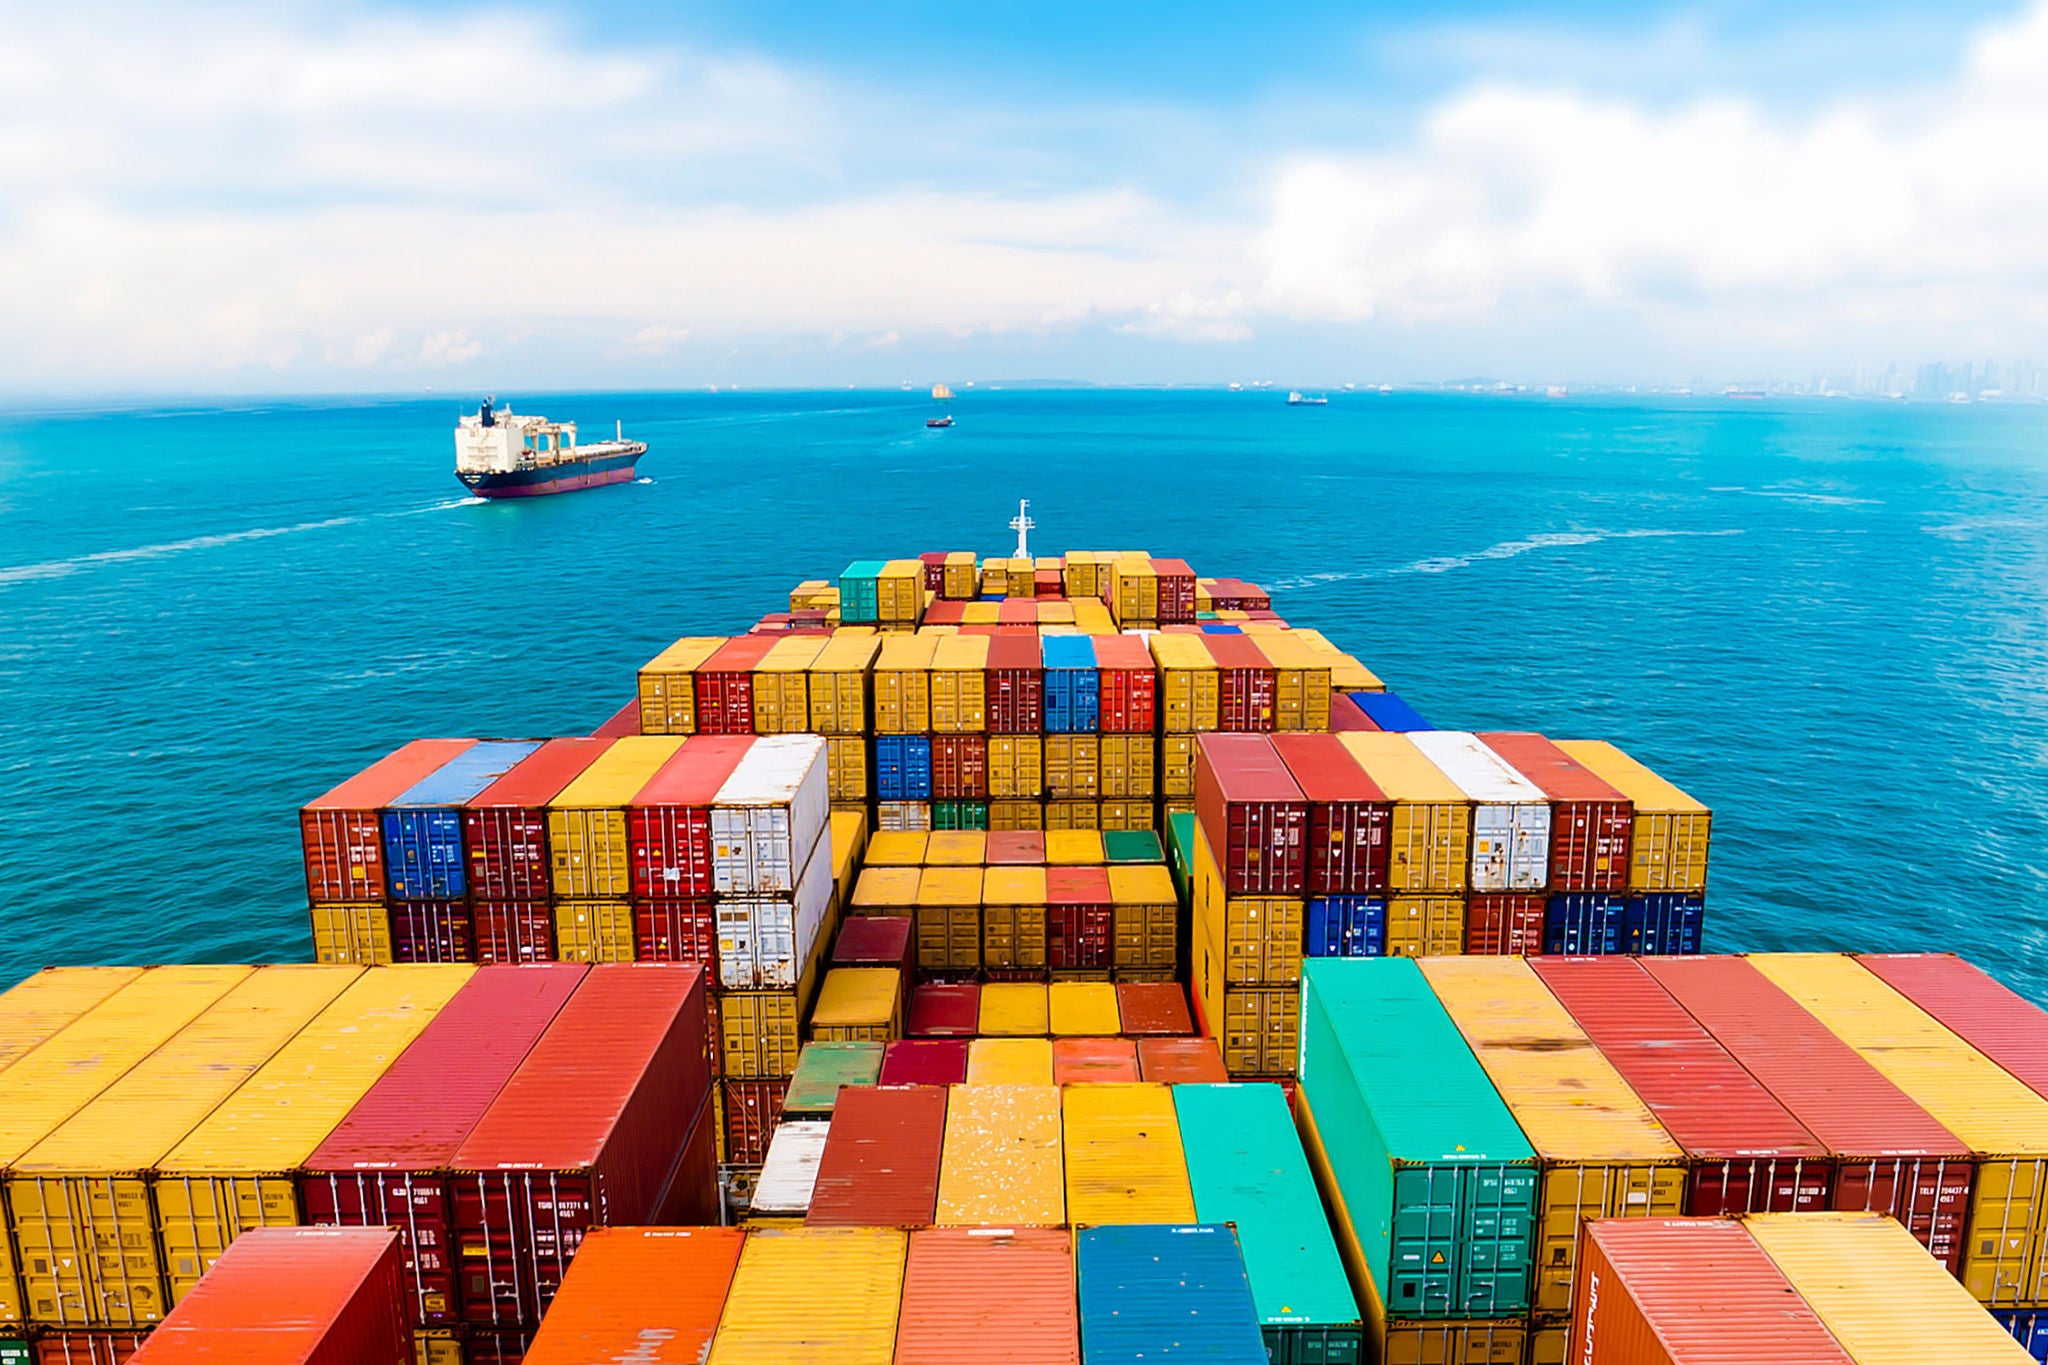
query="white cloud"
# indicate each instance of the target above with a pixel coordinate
(373, 347)
(449, 348)
(657, 340)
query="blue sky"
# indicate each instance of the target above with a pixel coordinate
(359, 196)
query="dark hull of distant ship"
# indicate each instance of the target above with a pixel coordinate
(559, 478)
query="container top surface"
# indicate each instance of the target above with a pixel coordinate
(1148, 1291)
(1132, 846)
(1153, 1008)
(539, 777)
(1985, 1014)
(813, 1294)
(1389, 712)
(684, 655)
(874, 940)
(1077, 885)
(1246, 768)
(1479, 772)
(886, 887)
(998, 1296)
(1121, 652)
(1073, 846)
(1013, 886)
(1009, 1061)
(822, 1068)
(1236, 651)
(651, 1295)
(1177, 653)
(1013, 1007)
(696, 772)
(1400, 769)
(1091, 1059)
(949, 886)
(897, 847)
(1560, 776)
(1181, 1061)
(1082, 1007)
(459, 779)
(1015, 652)
(881, 1162)
(956, 848)
(906, 653)
(281, 1288)
(960, 653)
(855, 996)
(41, 1006)
(1324, 769)
(847, 654)
(615, 776)
(383, 781)
(925, 1061)
(789, 1173)
(1652, 795)
(773, 771)
(1015, 846)
(738, 655)
(943, 1008)
(1068, 651)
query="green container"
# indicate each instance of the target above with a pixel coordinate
(1131, 846)
(860, 596)
(13, 1351)
(1246, 1166)
(821, 1068)
(1436, 1186)
(959, 815)
(1180, 839)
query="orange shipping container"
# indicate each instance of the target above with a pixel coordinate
(996, 1296)
(642, 1294)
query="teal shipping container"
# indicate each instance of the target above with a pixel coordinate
(1246, 1167)
(1433, 1185)
(860, 596)
(1180, 840)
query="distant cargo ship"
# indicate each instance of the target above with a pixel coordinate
(498, 455)
(1300, 400)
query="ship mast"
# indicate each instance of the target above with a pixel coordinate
(1022, 524)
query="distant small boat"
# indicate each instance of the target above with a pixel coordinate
(945, 421)
(941, 392)
(1298, 400)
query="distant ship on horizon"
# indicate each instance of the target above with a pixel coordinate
(1300, 400)
(499, 455)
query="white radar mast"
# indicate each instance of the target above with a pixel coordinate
(1022, 524)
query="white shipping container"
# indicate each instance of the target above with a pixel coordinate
(764, 941)
(1510, 814)
(790, 1171)
(903, 815)
(770, 815)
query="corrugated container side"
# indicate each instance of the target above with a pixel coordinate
(505, 826)
(998, 1295)
(1591, 821)
(1431, 827)
(846, 1282)
(1123, 1155)
(589, 850)
(1510, 814)
(341, 831)
(423, 849)
(651, 1295)
(668, 690)
(1148, 1293)
(881, 1162)
(1668, 844)
(1253, 813)
(668, 822)
(769, 816)
(1349, 818)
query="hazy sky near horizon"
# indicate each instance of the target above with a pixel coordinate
(376, 196)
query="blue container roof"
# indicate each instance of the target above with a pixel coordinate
(1067, 651)
(1222, 628)
(1165, 1292)
(1389, 712)
(468, 773)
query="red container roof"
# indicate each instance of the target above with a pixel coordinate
(880, 1167)
(1153, 1008)
(1015, 847)
(930, 558)
(1246, 768)
(1345, 714)
(290, 1294)
(540, 777)
(1556, 773)
(1008, 651)
(1177, 567)
(1324, 769)
(1705, 1100)
(1236, 651)
(943, 1011)
(945, 612)
(624, 721)
(1181, 1061)
(1017, 611)
(1078, 1061)
(873, 940)
(1123, 652)
(1827, 1085)
(738, 655)
(925, 1061)
(993, 1296)
(391, 776)
(695, 772)
(1077, 885)
(2004, 1027)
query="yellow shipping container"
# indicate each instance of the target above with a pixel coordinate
(1261, 1031)
(83, 1225)
(849, 843)
(352, 932)
(1091, 617)
(1013, 918)
(1076, 1009)
(899, 590)
(846, 768)
(1020, 580)
(1256, 940)
(949, 920)
(958, 582)
(1134, 592)
(234, 1171)
(838, 687)
(1128, 767)
(1073, 767)
(594, 931)
(1123, 1155)
(588, 851)
(1014, 815)
(859, 1005)
(782, 691)
(803, 594)
(1075, 847)
(1016, 769)
(1187, 685)
(813, 1296)
(760, 1031)
(898, 848)
(45, 1004)
(668, 689)
(1425, 926)
(903, 685)
(1073, 815)
(1009, 1061)
(1459, 1341)
(1601, 1152)
(1347, 674)
(1056, 614)
(1014, 1009)
(938, 630)
(1431, 837)
(956, 848)
(1177, 766)
(1301, 682)
(2005, 1264)
(885, 890)
(1147, 910)
(1878, 1292)
(959, 685)
(981, 613)
(1081, 574)
(1668, 847)
(1001, 1163)
(995, 579)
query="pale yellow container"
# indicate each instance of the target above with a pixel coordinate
(1601, 1152)
(1124, 1162)
(1009, 1061)
(1188, 687)
(956, 848)
(1177, 766)
(1012, 815)
(1073, 770)
(959, 579)
(1668, 847)
(1147, 910)
(899, 590)
(1073, 847)
(759, 1033)
(948, 929)
(885, 890)
(1129, 767)
(1347, 674)
(849, 843)
(1077, 1009)
(1014, 1009)
(1425, 926)
(980, 613)
(1092, 617)
(903, 685)
(806, 594)
(1001, 1165)
(45, 1004)
(357, 932)
(782, 691)
(1431, 836)
(234, 1171)
(859, 1005)
(959, 685)
(1081, 574)
(1261, 1030)
(897, 848)
(594, 931)
(1301, 682)
(1056, 614)
(1013, 918)
(813, 1296)
(588, 850)
(1016, 769)
(668, 689)
(1134, 592)
(1254, 940)
(838, 687)
(846, 768)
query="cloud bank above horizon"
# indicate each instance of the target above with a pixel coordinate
(346, 197)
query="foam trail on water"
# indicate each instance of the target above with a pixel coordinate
(1506, 549)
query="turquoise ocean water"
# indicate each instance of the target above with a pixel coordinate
(1828, 620)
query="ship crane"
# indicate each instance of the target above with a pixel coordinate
(1022, 524)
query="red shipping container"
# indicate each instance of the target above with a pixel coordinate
(877, 941)
(505, 826)
(925, 1061)
(1080, 925)
(1181, 628)
(79, 1346)
(1591, 823)
(1234, 594)
(668, 826)
(587, 1131)
(1748, 1153)
(945, 613)
(691, 1198)
(960, 767)
(725, 686)
(1079, 1061)
(1345, 715)
(624, 721)
(1253, 814)
(944, 1011)
(1015, 848)
(1966, 1001)
(385, 1164)
(292, 1296)
(1153, 1009)
(1047, 584)
(1176, 590)
(988, 628)
(651, 1295)
(1016, 685)
(677, 931)
(431, 931)
(513, 931)
(1129, 685)
(1891, 1156)
(1245, 684)
(506, 1347)
(880, 1166)
(342, 831)
(1350, 820)
(1181, 1061)
(934, 562)
(1017, 611)
(752, 1109)
(999, 1296)
(1504, 923)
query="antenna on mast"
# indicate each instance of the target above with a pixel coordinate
(1022, 524)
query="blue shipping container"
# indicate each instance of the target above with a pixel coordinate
(1389, 712)
(1073, 687)
(1665, 923)
(1222, 628)
(1584, 922)
(2029, 1327)
(860, 597)
(1152, 1293)
(903, 767)
(423, 827)
(1347, 926)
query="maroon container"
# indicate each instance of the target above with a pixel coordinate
(1345, 715)
(1504, 923)
(1350, 820)
(1181, 1061)
(624, 721)
(431, 931)
(725, 686)
(668, 826)
(925, 1061)
(1591, 823)
(586, 1132)
(1080, 926)
(310, 1296)
(877, 941)
(1891, 1156)
(1234, 594)
(677, 931)
(495, 1347)
(960, 767)
(1129, 685)
(944, 1011)
(385, 1164)
(880, 1167)
(342, 832)
(1176, 590)
(1016, 686)
(513, 931)
(696, 1171)
(1245, 684)
(752, 1109)
(505, 826)
(1153, 1009)
(1253, 813)
(1016, 847)
(2004, 1027)
(934, 570)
